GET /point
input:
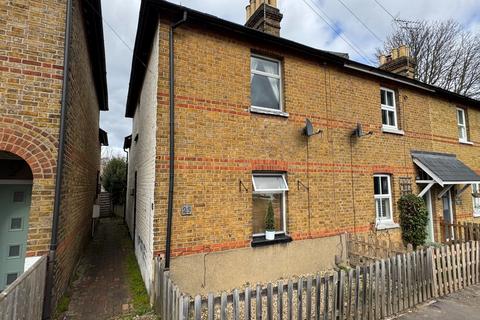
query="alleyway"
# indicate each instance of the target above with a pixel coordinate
(464, 304)
(101, 290)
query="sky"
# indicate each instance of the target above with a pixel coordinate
(323, 24)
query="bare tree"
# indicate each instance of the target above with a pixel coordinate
(447, 55)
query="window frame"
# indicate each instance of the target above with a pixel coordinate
(270, 191)
(378, 219)
(8, 274)
(272, 75)
(9, 257)
(10, 224)
(464, 125)
(476, 211)
(389, 108)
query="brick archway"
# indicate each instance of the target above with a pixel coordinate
(35, 148)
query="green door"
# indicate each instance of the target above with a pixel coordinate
(14, 211)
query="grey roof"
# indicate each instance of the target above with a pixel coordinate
(446, 167)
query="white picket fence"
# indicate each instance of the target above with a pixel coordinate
(373, 291)
(23, 299)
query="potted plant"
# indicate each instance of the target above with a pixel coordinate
(270, 223)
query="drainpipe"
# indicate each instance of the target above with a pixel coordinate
(126, 191)
(47, 310)
(172, 142)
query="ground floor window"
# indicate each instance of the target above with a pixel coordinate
(383, 198)
(269, 188)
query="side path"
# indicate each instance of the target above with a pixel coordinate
(103, 288)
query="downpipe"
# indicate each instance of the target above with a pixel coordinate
(172, 141)
(47, 304)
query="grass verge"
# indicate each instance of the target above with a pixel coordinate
(140, 298)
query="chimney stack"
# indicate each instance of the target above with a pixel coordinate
(399, 61)
(264, 15)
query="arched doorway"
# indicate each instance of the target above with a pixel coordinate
(15, 199)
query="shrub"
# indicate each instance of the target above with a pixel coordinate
(270, 218)
(114, 179)
(413, 219)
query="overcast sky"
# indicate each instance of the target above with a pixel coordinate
(300, 23)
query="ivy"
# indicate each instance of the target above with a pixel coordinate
(413, 219)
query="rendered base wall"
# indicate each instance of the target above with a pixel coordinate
(226, 270)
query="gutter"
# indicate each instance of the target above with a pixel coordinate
(172, 140)
(47, 310)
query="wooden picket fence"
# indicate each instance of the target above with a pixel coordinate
(369, 248)
(23, 299)
(455, 267)
(459, 232)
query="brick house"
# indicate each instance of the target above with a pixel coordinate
(49, 133)
(205, 165)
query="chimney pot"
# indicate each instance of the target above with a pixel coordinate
(394, 53)
(403, 51)
(399, 62)
(383, 59)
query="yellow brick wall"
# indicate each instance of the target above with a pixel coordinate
(31, 64)
(31, 73)
(82, 156)
(219, 142)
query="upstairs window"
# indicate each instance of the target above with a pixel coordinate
(389, 109)
(269, 188)
(462, 125)
(266, 83)
(383, 198)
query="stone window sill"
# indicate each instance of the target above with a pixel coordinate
(466, 142)
(387, 225)
(393, 131)
(260, 241)
(270, 112)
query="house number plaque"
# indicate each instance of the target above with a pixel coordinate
(187, 210)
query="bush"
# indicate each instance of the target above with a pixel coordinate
(413, 219)
(114, 179)
(270, 218)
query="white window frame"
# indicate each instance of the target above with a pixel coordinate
(476, 201)
(270, 75)
(378, 219)
(389, 108)
(464, 125)
(273, 191)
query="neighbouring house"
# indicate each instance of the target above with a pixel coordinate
(228, 119)
(49, 134)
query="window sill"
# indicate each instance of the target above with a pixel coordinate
(260, 241)
(387, 225)
(476, 214)
(466, 142)
(393, 131)
(270, 112)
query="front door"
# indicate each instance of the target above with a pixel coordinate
(448, 214)
(14, 211)
(428, 202)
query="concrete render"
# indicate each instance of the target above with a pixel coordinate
(226, 270)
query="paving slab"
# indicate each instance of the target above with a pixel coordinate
(101, 290)
(464, 304)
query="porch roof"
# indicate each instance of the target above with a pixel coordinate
(444, 168)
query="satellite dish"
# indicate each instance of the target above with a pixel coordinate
(308, 130)
(359, 130)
